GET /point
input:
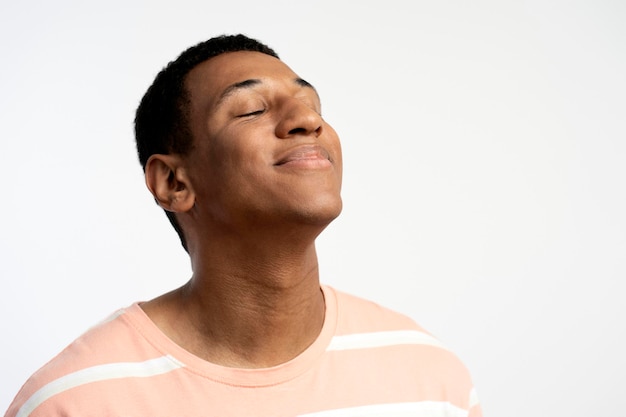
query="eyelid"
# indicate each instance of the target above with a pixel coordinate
(313, 103)
(252, 113)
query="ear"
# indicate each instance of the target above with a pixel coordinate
(167, 180)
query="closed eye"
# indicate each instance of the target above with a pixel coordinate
(252, 113)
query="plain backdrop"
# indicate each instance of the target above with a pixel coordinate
(484, 190)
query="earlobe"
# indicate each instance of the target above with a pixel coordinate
(167, 180)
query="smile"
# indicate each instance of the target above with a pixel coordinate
(305, 156)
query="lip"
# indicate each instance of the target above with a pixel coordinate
(305, 156)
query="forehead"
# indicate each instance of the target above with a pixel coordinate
(211, 78)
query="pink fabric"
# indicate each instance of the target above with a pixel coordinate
(366, 359)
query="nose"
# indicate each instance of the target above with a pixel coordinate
(298, 118)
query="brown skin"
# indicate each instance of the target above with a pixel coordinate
(261, 183)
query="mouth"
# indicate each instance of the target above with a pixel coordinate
(305, 156)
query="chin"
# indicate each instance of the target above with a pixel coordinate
(321, 214)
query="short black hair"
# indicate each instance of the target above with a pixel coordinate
(162, 118)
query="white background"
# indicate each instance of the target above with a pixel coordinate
(485, 176)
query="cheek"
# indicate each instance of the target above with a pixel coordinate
(224, 149)
(237, 154)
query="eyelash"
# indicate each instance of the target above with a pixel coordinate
(261, 111)
(252, 113)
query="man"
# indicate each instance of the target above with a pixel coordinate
(236, 151)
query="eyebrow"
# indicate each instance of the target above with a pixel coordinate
(246, 84)
(304, 83)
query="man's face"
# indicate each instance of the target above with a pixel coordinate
(262, 153)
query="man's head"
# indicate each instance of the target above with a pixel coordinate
(212, 125)
(161, 121)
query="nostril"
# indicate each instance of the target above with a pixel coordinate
(297, 130)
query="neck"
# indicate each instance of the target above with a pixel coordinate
(247, 305)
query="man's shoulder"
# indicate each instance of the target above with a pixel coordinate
(392, 344)
(356, 314)
(116, 339)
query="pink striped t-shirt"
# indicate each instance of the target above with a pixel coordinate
(367, 361)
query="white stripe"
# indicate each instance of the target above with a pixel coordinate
(417, 409)
(112, 316)
(380, 339)
(147, 368)
(473, 400)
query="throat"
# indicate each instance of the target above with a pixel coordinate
(238, 327)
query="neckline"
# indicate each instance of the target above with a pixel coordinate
(243, 377)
